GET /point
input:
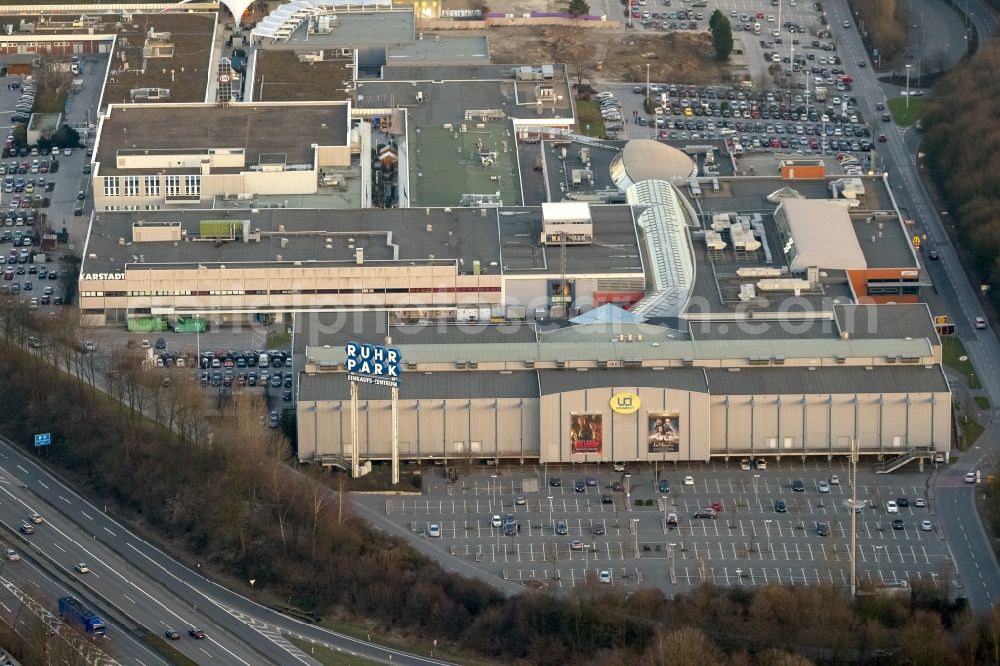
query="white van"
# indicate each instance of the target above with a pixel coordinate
(756, 28)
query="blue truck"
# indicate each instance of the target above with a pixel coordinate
(72, 609)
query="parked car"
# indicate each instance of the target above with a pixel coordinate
(798, 486)
(823, 529)
(664, 486)
(780, 506)
(891, 507)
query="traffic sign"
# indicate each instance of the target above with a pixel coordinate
(43, 439)
(941, 319)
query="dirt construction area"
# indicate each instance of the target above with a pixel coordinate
(683, 58)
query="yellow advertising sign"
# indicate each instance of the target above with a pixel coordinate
(625, 403)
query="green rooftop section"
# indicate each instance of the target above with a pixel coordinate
(447, 163)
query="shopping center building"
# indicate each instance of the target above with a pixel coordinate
(614, 387)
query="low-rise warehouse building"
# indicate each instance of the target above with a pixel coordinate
(633, 391)
(153, 156)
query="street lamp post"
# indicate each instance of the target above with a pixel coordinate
(908, 85)
(647, 85)
(854, 516)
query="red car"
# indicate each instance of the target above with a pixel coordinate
(882, 138)
(716, 505)
(775, 143)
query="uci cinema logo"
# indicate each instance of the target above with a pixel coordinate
(625, 403)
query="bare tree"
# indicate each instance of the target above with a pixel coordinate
(575, 47)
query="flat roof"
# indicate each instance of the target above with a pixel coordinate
(816, 329)
(748, 194)
(440, 49)
(393, 234)
(898, 320)
(259, 128)
(716, 291)
(185, 74)
(420, 385)
(679, 350)
(823, 235)
(279, 76)
(615, 248)
(883, 241)
(508, 238)
(560, 381)
(849, 380)
(335, 329)
(372, 27)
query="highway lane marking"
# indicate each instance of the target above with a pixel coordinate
(110, 532)
(5, 607)
(85, 515)
(128, 597)
(65, 500)
(42, 484)
(23, 470)
(207, 653)
(58, 546)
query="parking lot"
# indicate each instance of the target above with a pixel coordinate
(787, 122)
(561, 536)
(222, 360)
(43, 191)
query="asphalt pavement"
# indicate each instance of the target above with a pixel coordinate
(241, 623)
(979, 572)
(69, 536)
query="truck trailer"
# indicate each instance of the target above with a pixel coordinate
(73, 611)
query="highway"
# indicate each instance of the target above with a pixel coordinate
(154, 588)
(29, 591)
(978, 570)
(61, 543)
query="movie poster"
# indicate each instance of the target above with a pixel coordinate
(585, 433)
(664, 434)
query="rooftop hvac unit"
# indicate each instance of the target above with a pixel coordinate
(721, 222)
(758, 271)
(714, 241)
(747, 293)
(783, 284)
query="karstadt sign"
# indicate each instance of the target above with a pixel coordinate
(102, 276)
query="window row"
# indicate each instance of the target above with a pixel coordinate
(128, 186)
(292, 292)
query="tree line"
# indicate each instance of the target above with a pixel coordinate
(962, 147)
(885, 26)
(230, 498)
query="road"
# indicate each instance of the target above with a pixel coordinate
(975, 561)
(62, 542)
(252, 632)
